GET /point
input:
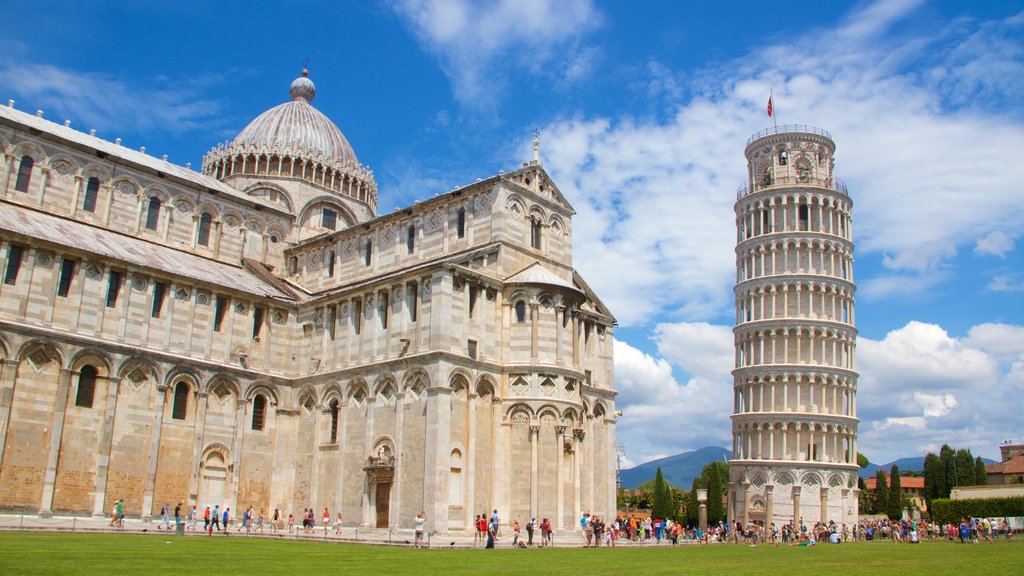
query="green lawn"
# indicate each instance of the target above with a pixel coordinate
(113, 554)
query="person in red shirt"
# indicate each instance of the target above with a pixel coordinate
(545, 534)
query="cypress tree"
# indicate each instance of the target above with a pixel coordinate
(881, 500)
(980, 477)
(895, 505)
(662, 503)
(934, 477)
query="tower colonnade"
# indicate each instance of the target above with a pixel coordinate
(795, 382)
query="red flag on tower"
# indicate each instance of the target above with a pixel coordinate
(769, 106)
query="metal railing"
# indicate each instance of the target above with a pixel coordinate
(834, 184)
(788, 128)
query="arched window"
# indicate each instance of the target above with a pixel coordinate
(86, 387)
(535, 227)
(410, 239)
(293, 265)
(461, 229)
(520, 312)
(330, 264)
(203, 237)
(153, 213)
(24, 174)
(368, 251)
(92, 190)
(455, 479)
(259, 412)
(180, 407)
(334, 421)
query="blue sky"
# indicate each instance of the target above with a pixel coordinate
(643, 109)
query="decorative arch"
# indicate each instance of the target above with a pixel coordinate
(40, 351)
(32, 150)
(331, 391)
(94, 356)
(357, 391)
(97, 170)
(486, 386)
(261, 387)
(285, 198)
(416, 376)
(225, 379)
(344, 212)
(519, 413)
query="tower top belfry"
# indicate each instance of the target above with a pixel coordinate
(794, 417)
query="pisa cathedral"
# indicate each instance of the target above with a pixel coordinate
(255, 333)
(794, 420)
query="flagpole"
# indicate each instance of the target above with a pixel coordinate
(775, 117)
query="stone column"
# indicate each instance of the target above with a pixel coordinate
(8, 377)
(202, 400)
(559, 317)
(154, 452)
(579, 435)
(44, 173)
(534, 321)
(745, 513)
(438, 439)
(236, 455)
(560, 477)
(9, 158)
(60, 404)
(471, 447)
(769, 504)
(339, 494)
(796, 506)
(106, 441)
(534, 440)
(824, 503)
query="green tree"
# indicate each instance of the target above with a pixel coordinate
(963, 468)
(881, 499)
(862, 460)
(934, 478)
(692, 506)
(716, 478)
(661, 505)
(980, 477)
(894, 507)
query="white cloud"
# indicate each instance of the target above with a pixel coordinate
(106, 103)
(656, 194)
(1006, 283)
(478, 41)
(918, 387)
(663, 416)
(996, 243)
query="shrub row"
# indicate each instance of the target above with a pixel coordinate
(945, 510)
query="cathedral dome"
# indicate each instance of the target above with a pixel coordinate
(295, 141)
(297, 125)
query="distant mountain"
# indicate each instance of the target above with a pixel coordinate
(678, 470)
(914, 464)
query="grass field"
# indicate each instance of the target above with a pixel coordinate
(114, 554)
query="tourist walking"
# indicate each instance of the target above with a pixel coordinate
(421, 521)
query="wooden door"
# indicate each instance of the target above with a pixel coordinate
(383, 500)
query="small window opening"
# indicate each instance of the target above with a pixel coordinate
(461, 228)
(329, 219)
(520, 312)
(67, 273)
(334, 421)
(259, 412)
(258, 314)
(13, 264)
(92, 189)
(153, 214)
(180, 407)
(368, 252)
(159, 290)
(219, 308)
(410, 239)
(205, 221)
(113, 288)
(24, 174)
(86, 387)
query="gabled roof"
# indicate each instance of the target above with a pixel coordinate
(537, 274)
(598, 304)
(133, 251)
(1012, 466)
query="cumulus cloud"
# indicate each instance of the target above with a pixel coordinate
(664, 416)
(996, 243)
(657, 193)
(920, 387)
(478, 42)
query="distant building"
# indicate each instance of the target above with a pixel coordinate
(911, 486)
(794, 422)
(1011, 469)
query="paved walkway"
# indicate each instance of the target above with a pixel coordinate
(372, 536)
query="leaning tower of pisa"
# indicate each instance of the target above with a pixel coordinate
(794, 423)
